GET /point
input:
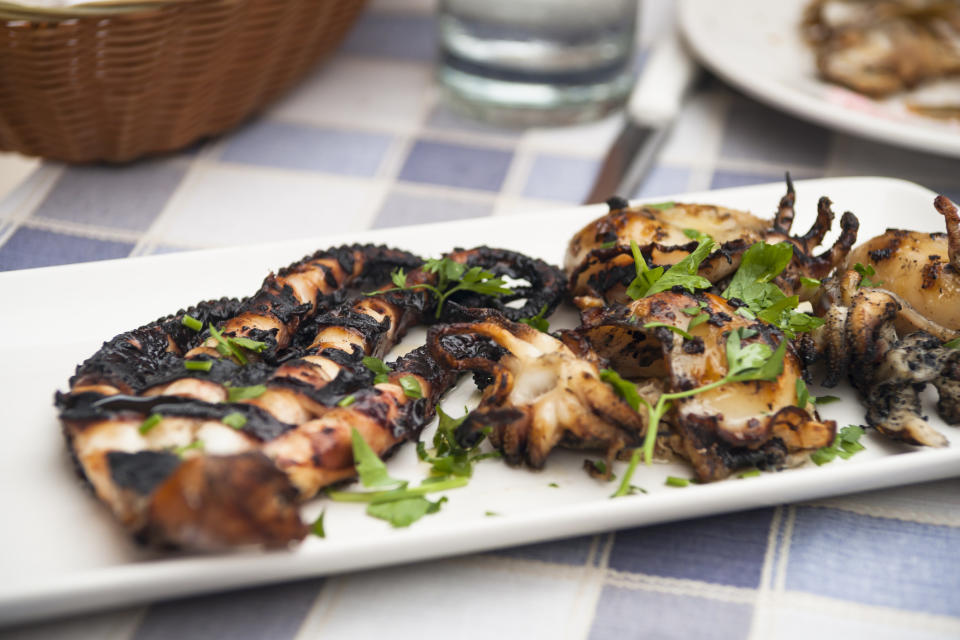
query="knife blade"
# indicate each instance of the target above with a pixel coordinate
(653, 105)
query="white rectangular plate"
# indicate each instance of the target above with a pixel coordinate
(63, 553)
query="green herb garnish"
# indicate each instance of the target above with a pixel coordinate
(235, 394)
(553, 485)
(676, 330)
(803, 396)
(755, 361)
(378, 367)
(538, 322)
(844, 445)
(236, 420)
(673, 481)
(683, 274)
(451, 277)
(699, 236)
(196, 444)
(346, 401)
(753, 284)
(230, 347)
(625, 389)
(661, 206)
(198, 365)
(449, 458)
(810, 282)
(752, 473)
(191, 323)
(152, 420)
(825, 399)
(866, 272)
(370, 468)
(952, 344)
(411, 387)
(317, 527)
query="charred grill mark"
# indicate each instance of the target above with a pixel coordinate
(931, 272)
(142, 471)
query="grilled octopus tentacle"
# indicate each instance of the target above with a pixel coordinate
(292, 438)
(299, 290)
(783, 221)
(545, 393)
(949, 211)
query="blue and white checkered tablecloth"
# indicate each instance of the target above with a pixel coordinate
(364, 143)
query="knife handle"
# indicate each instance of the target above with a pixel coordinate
(664, 80)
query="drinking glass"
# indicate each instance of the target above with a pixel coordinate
(536, 61)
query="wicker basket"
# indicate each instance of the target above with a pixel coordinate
(112, 82)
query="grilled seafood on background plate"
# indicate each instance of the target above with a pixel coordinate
(205, 429)
(884, 47)
(600, 265)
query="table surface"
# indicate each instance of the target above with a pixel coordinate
(365, 143)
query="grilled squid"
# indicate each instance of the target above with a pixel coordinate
(738, 424)
(600, 264)
(922, 268)
(860, 340)
(545, 392)
(192, 447)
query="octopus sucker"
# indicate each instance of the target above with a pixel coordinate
(222, 455)
(546, 392)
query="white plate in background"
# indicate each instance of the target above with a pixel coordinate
(757, 46)
(63, 553)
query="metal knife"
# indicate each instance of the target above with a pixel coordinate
(651, 109)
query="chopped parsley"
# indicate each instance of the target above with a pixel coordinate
(693, 234)
(196, 444)
(553, 485)
(346, 401)
(825, 399)
(673, 481)
(232, 347)
(380, 370)
(452, 277)
(803, 395)
(317, 527)
(661, 206)
(866, 272)
(152, 420)
(235, 420)
(235, 394)
(411, 387)
(683, 274)
(751, 473)
(191, 323)
(756, 361)
(399, 504)
(813, 283)
(198, 365)
(753, 284)
(676, 330)
(952, 344)
(625, 389)
(538, 322)
(449, 458)
(844, 445)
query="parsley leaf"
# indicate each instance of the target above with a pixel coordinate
(626, 390)
(378, 367)
(235, 394)
(752, 283)
(866, 271)
(235, 420)
(452, 276)
(370, 468)
(676, 330)
(191, 323)
(661, 206)
(952, 344)
(152, 420)
(411, 387)
(538, 322)
(844, 445)
(803, 395)
(682, 274)
(317, 527)
(405, 511)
